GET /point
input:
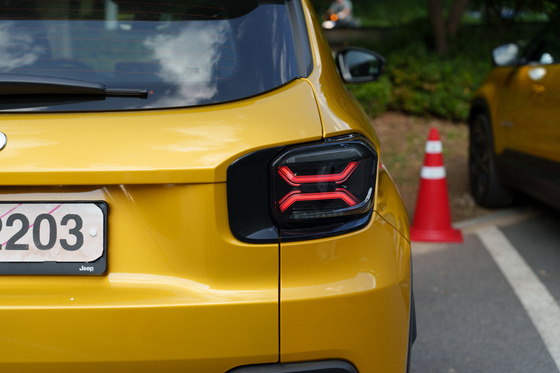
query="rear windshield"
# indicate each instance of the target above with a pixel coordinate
(183, 53)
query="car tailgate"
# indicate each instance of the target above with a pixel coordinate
(192, 145)
(180, 292)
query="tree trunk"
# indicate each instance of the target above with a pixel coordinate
(438, 26)
(454, 17)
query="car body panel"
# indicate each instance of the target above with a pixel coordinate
(171, 255)
(180, 290)
(520, 100)
(524, 109)
(327, 289)
(340, 112)
(389, 203)
(181, 293)
(74, 149)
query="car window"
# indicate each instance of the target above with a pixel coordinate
(545, 49)
(184, 53)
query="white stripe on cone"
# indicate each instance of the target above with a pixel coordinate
(434, 147)
(433, 173)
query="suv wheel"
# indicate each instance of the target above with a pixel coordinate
(485, 185)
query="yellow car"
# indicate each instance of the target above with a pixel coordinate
(188, 187)
(514, 129)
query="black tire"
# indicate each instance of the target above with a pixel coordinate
(485, 185)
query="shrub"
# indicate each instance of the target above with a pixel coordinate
(420, 82)
(424, 83)
(375, 97)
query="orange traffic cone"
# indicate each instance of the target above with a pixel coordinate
(432, 218)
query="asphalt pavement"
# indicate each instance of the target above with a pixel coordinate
(492, 303)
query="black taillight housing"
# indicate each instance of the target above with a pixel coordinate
(303, 192)
(318, 184)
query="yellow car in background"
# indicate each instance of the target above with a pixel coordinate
(514, 124)
(186, 186)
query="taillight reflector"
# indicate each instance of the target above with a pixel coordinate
(298, 196)
(295, 180)
(330, 181)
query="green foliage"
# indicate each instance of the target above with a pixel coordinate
(383, 13)
(418, 81)
(389, 12)
(517, 9)
(424, 83)
(375, 97)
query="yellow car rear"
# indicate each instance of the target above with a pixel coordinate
(186, 283)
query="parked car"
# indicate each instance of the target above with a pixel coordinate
(188, 187)
(514, 128)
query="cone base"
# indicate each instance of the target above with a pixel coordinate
(444, 235)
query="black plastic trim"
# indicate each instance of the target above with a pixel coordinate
(248, 193)
(301, 38)
(327, 366)
(535, 176)
(324, 231)
(344, 71)
(16, 84)
(412, 328)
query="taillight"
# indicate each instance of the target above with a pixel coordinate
(316, 184)
(303, 192)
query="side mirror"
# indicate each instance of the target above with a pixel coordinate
(506, 55)
(357, 65)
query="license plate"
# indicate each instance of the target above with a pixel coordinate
(54, 238)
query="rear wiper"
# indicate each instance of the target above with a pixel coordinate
(15, 84)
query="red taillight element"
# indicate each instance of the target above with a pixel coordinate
(328, 182)
(294, 180)
(297, 196)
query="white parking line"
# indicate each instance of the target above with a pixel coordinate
(542, 308)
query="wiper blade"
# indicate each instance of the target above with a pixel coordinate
(15, 84)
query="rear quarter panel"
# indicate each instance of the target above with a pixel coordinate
(348, 297)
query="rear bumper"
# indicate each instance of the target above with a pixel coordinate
(185, 296)
(329, 366)
(137, 323)
(348, 299)
(180, 293)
